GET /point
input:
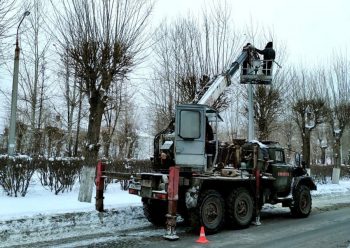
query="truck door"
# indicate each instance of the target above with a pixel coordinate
(281, 171)
(190, 137)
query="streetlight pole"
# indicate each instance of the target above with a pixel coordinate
(12, 134)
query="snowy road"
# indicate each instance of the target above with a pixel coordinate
(322, 229)
(125, 227)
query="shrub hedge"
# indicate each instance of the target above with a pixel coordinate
(321, 173)
(60, 174)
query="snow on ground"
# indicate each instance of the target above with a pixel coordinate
(329, 188)
(44, 202)
(40, 201)
(42, 219)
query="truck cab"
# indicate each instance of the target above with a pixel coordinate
(195, 146)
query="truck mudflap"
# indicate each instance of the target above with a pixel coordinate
(304, 180)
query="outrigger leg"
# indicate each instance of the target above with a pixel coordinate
(257, 187)
(173, 188)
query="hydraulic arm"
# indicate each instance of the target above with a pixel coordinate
(211, 92)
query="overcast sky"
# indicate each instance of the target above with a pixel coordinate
(311, 29)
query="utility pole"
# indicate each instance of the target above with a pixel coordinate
(12, 134)
(251, 134)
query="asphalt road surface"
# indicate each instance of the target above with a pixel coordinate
(323, 228)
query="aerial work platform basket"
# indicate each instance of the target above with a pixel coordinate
(259, 72)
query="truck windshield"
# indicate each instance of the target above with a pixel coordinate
(189, 124)
(276, 155)
(279, 156)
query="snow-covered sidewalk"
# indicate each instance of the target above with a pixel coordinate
(41, 216)
(40, 201)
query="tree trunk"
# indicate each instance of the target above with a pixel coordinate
(336, 153)
(306, 147)
(337, 162)
(76, 145)
(91, 150)
(86, 184)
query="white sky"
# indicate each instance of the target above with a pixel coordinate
(311, 29)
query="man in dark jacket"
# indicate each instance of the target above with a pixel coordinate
(246, 62)
(269, 55)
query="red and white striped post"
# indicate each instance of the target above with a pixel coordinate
(173, 196)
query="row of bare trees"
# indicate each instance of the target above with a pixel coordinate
(77, 56)
(75, 62)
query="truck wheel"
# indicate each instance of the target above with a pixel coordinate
(301, 207)
(211, 211)
(240, 208)
(155, 211)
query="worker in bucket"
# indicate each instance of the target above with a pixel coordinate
(269, 55)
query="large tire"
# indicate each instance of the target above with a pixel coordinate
(240, 208)
(155, 211)
(302, 202)
(209, 213)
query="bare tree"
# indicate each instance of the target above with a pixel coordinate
(322, 141)
(7, 20)
(115, 106)
(174, 69)
(126, 133)
(268, 106)
(33, 83)
(106, 38)
(308, 104)
(74, 110)
(233, 118)
(187, 57)
(70, 110)
(339, 103)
